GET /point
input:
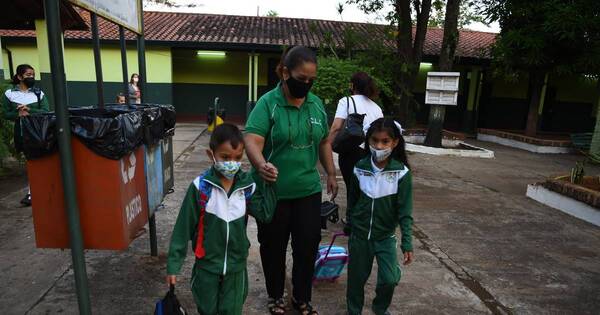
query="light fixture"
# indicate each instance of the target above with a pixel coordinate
(211, 53)
(426, 64)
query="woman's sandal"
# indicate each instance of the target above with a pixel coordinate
(304, 308)
(276, 307)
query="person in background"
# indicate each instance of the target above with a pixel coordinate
(121, 99)
(362, 93)
(135, 95)
(23, 99)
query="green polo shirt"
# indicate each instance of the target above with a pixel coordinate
(292, 138)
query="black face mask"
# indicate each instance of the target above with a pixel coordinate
(29, 82)
(297, 88)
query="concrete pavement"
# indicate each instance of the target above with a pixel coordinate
(481, 247)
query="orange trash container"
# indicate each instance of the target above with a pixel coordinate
(111, 194)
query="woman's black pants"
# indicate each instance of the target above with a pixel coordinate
(299, 218)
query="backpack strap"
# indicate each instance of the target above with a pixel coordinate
(348, 105)
(38, 94)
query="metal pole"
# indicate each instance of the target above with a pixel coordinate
(57, 67)
(97, 59)
(142, 85)
(124, 63)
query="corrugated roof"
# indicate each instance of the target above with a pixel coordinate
(223, 30)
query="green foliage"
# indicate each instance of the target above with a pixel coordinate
(272, 13)
(7, 147)
(553, 36)
(470, 12)
(577, 173)
(334, 80)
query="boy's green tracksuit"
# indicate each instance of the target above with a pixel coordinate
(378, 202)
(215, 222)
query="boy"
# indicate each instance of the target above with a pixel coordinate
(213, 217)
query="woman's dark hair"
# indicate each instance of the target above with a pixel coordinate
(388, 125)
(293, 57)
(21, 69)
(364, 85)
(133, 75)
(224, 133)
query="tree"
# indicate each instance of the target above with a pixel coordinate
(542, 38)
(446, 61)
(272, 13)
(469, 13)
(404, 14)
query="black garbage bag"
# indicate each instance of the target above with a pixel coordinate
(39, 135)
(111, 133)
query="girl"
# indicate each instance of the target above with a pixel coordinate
(134, 90)
(380, 199)
(363, 91)
(20, 101)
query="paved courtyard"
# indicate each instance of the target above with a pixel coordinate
(481, 246)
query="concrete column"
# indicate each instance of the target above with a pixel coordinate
(44, 72)
(472, 99)
(250, 76)
(255, 74)
(1, 61)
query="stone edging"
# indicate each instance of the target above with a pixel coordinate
(523, 145)
(480, 152)
(564, 203)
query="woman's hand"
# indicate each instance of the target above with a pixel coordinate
(408, 258)
(268, 172)
(332, 186)
(23, 110)
(171, 279)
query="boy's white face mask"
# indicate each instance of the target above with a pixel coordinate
(380, 155)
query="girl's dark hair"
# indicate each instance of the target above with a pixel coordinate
(133, 75)
(388, 125)
(293, 57)
(224, 133)
(364, 85)
(21, 69)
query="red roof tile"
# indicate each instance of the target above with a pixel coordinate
(224, 30)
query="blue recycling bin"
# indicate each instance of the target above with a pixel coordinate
(153, 167)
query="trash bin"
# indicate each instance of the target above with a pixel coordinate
(109, 178)
(167, 164)
(158, 124)
(154, 176)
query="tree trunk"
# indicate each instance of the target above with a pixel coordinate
(595, 146)
(536, 82)
(437, 113)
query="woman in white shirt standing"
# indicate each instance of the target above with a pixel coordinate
(363, 90)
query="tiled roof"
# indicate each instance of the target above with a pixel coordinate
(224, 30)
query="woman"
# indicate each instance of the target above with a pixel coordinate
(286, 134)
(363, 91)
(134, 90)
(20, 101)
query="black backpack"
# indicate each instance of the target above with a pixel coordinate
(351, 135)
(169, 305)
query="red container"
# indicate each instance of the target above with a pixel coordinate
(112, 198)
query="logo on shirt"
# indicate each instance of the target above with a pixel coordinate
(315, 121)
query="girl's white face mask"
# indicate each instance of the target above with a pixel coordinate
(380, 155)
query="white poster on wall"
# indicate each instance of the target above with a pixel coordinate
(126, 13)
(442, 88)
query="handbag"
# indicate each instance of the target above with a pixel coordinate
(351, 135)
